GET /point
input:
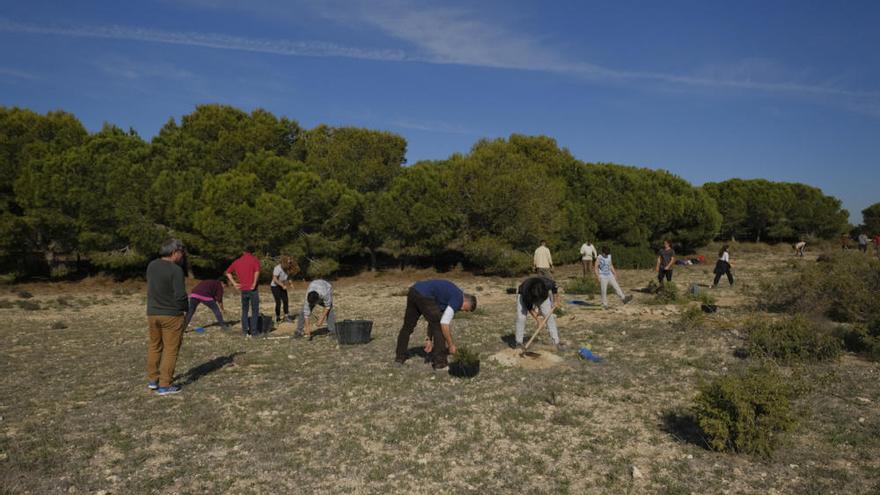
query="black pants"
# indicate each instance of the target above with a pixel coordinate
(418, 305)
(280, 296)
(667, 274)
(722, 268)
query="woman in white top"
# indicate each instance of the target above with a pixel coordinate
(606, 274)
(280, 283)
(588, 256)
(723, 266)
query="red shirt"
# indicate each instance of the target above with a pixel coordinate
(877, 240)
(245, 267)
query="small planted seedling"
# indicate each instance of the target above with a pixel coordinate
(465, 363)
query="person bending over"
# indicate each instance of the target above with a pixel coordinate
(320, 293)
(537, 296)
(437, 301)
(209, 293)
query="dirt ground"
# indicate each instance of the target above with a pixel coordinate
(277, 415)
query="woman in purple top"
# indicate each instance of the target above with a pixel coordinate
(209, 293)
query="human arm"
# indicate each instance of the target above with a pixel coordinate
(233, 281)
(671, 262)
(256, 278)
(659, 259)
(178, 285)
(446, 330)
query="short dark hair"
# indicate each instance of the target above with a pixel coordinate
(543, 241)
(170, 246)
(313, 297)
(472, 300)
(606, 250)
(249, 248)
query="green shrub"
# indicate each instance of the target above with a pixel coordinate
(844, 287)
(321, 267)
(465, 356)
(583, 285)
(24, 294)
(692, 318)
(863, 339)
(666, 294)
(791, 339)
(28, 305)
(497, 257)
(746, 411)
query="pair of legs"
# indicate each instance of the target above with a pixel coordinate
(661, 274)
(331, 321)
(604, 282)
(718, 275)
(250, 302)
(546, 308)
(280, 295)
(166, 336)
(417, 306)
(212, 305)
(587, 266)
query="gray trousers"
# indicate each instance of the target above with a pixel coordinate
(522, 313)
(603, 285)
(331, 321)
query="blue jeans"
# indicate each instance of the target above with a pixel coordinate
(250, 299)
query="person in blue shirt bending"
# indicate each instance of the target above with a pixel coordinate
(437, 301)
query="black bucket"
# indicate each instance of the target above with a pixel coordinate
(464, 370)
(354, 331)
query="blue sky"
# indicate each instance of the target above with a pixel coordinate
(784, 90)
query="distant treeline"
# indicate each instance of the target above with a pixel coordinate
(221, 178)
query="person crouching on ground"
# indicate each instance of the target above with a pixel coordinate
(723, 266)
(166, 306)
(209, 293)
(280, 283)
(319, 292)
(437, 301)
(537, 296)
(799, 248)
(606, 274)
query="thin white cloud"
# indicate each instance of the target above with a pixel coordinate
(432, 126)
(6, 72)
(125, 68)
(443, 35)
(207, 40)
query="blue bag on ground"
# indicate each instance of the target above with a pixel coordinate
(587, 354)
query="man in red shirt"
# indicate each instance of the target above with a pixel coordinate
(247, 270)
(877, 245)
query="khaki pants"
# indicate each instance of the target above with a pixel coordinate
(587, 266)
(166, 336)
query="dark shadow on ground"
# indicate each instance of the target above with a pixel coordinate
(195, 373)
(509, 339)
(418, 352)
(683, 426)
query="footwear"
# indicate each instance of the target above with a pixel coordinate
(225, 328)
(152, 385)
(170, 389)
(627, 299)
(277, 319)
(440, 367)
(398, 362)
(297, 335)
(560, 347)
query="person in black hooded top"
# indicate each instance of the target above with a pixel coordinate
(537, 296)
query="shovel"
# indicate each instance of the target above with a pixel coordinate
(525, 352)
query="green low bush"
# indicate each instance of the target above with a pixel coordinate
(844, 287)
(692, 318)
(792, 339)
(637, 257)
(863, 339)
(465, 356)
(746, 411)
(583, 286)
(666, 294)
